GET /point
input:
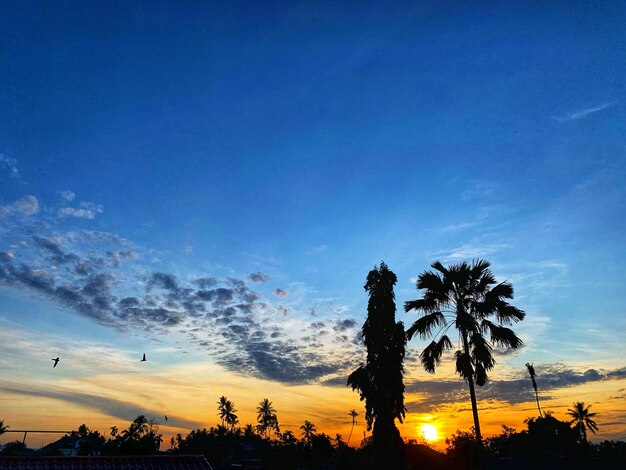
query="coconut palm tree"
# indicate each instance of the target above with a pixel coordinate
(113, 431)
(3, 428)
(531, 372)
(352, 414)
(226, 411)
(266, 417)
(464, 296)
(582, 420)
(308, 431)
(136, 430)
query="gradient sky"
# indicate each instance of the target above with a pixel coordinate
(211, 183)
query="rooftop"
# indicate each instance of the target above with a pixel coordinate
(138, 462)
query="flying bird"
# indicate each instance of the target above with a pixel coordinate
(144, 358)
(56, 361)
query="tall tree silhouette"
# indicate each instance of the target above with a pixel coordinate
(352, 414)
(531, 372)
(267, 418)
(582, 420)
(226, 411)
(464, 295)
(379, 380)
(3, 428)
(308, 431)
(136, 429)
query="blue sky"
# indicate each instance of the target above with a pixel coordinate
(305, 142)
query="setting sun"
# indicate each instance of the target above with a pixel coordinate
(429, 432)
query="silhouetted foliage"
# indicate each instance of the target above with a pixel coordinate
(582, 420)
(308, 432)
(141, 438)
(3, 427)
(464, 296)
(379, 380)
(611, 453)
(13, 448)
(226, 411)
(267, 418)
(550, 443)
(464, 447)
(90, 442)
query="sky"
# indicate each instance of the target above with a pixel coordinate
(210, 183)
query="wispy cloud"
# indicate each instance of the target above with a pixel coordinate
(470, 250)
(87, 210)
(28, 205)
(10, 165)
(317, 249)
(111, 406)
(584, 112)
(68, 196)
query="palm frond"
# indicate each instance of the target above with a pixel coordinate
(464, 365)
(430, 281)
(503, 336)
(507, 313)
(424, 325)
(481, 351)
(465, 322)
(480, 375)
(439, 267)
(502, 290)
(431, 355)
(425, 304)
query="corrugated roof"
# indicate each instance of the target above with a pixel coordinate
(138, 462)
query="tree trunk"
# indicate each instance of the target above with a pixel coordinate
(538, 407)
(479, 437)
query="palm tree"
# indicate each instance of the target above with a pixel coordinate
(582, 420)
(308, 431)
(464, 296)
(248, 430)
(226, 411)
(531, 372)
(137, 429)
(353, 414)
(113, 431)
(3, 428)
(266, 417)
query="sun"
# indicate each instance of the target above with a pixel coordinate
(429, 432)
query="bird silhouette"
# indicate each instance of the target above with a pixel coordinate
(144, 358)
(56, 361)
(165, 416)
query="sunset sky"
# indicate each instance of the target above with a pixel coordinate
(211, 183)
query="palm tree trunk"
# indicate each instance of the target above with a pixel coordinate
(470, 381)
(537, 398)
(479, 437)
(350, 435)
